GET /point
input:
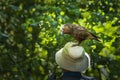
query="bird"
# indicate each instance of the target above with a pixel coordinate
(79, 33)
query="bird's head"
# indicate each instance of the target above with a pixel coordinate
(66, 29)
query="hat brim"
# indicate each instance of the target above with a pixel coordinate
(78, 66)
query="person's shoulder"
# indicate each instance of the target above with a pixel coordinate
(88, 78)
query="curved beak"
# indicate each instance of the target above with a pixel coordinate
(61, 30)
(62, 33)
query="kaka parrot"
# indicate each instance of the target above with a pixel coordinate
(78, 32)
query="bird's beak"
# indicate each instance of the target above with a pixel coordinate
(62, 33)
(61, 30)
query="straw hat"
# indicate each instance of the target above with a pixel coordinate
(72, 58)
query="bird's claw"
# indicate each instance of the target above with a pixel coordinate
(75, 45)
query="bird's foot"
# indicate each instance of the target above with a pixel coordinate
(75, 45)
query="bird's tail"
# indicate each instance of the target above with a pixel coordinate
(95, 37)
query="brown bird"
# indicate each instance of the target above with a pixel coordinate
(78, 32)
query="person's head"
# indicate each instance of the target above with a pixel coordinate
(72, 58)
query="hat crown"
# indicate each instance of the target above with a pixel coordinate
(73, 53)
(76, 52)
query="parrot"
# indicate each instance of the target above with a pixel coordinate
(79, 33)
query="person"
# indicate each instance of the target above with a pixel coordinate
(73, 60)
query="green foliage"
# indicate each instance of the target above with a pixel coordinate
(30, 36)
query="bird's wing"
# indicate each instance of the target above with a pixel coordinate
(79, 34)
